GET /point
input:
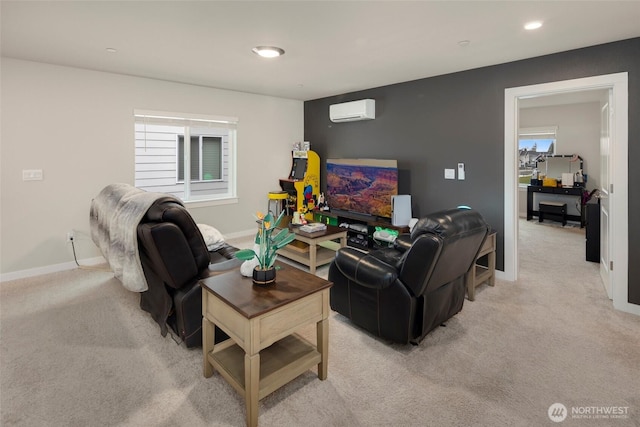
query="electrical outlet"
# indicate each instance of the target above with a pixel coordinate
(70, 236)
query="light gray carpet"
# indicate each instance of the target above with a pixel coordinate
(77, 351)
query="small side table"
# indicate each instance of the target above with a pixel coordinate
(479, 273)
(264, 352)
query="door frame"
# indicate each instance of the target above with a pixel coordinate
(619, 175)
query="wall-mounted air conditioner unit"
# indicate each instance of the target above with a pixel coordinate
(364, 109)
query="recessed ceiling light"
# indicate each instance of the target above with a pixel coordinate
(533, 25)
(110, 50)
(268, 51)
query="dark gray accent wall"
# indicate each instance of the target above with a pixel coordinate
(434, 123)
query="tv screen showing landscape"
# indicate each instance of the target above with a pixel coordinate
(362, 185)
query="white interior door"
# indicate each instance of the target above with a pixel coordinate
(605, 192)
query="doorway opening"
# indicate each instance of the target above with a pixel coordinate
(618, 226)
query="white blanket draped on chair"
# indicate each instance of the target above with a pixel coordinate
(114, 218)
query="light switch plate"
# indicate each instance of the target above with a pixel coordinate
(449, 174)
(460, 171)
(32, 175)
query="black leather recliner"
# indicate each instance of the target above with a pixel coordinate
(174, 258)
(402, 293)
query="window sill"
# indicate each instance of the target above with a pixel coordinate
(207, 203)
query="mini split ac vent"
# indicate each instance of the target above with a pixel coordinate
(364, 109)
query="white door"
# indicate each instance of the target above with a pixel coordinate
(605, 192)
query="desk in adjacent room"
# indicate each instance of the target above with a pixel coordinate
(559, 191)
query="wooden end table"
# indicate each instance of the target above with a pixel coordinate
(479, 273)
(314, 256)
(264, 352)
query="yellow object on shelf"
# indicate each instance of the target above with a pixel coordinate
(549, 182)
(299, 246)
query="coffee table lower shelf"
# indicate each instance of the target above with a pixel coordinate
(323, 256)
(315, 254)
(280, 363)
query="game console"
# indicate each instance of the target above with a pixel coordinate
(360, 228)
(358, 241)
(384, 236)
(400, 210)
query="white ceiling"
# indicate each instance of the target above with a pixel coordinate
(331, 47)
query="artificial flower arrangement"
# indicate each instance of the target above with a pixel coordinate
(266, 243)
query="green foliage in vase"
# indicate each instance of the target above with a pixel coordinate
(267, 241)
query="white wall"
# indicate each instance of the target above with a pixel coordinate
(77, 126)
(578, 133)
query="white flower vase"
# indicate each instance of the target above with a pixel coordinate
(246, 268)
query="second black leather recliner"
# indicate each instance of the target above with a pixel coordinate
(174, 258)
(404, 292)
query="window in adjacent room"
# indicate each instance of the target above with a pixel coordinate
(534, 143)
(163, 159)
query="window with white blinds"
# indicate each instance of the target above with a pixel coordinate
(163, 160)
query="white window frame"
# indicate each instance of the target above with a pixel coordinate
(198, 122)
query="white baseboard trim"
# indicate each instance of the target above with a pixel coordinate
(628, 307)
(500, 275)
(47, 269)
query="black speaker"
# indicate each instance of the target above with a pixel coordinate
(592, 232)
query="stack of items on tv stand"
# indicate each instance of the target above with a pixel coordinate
(313, 227)
(360, 237)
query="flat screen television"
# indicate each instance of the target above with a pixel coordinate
(362, 186)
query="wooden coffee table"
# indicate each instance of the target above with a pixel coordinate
(264, 352)
(314, 255)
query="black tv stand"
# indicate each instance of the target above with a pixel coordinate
(358, 216)
(360, 227)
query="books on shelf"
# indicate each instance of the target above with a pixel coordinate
(313, 227)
